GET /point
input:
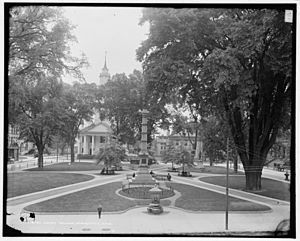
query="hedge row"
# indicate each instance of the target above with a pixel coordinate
(86, 156)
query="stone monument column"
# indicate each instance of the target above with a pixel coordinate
(143, 155)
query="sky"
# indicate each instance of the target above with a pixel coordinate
(114, 30)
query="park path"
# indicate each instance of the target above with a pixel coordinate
(31, 198)
(137, 220)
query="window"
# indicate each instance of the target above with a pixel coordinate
(82, 139)
(102, 139)
(91, 139)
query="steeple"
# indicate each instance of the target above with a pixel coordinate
(104, 75)
(105, 67)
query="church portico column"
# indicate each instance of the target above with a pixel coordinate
(79, 145)
(85, 149)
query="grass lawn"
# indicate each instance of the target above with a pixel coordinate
(197, 199)
(64, 166)
(211, 169)
(87, 200)
(270, 188)
(23, 182)
(214, 170)
(143, 193)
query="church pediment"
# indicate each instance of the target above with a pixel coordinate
(97, 128)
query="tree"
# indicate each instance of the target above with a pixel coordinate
(121, 99)
(186, 126)
(38, 106)
(111, 155)
(241, 60)
(170, 155)
(38, 43)
(38, 57)
(214, 140)
(59, 143)
(215, 135)
(75, 108)
(122, 103)
(185, 159)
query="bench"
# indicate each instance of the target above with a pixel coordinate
(172, 169)
(128, 176)
(107, 172)
(279, 167)
(184, 174)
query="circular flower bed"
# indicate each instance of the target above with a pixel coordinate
(143, 192)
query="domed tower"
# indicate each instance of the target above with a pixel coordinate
(104, 75)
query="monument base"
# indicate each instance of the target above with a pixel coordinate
(144, 160)
(155, 208)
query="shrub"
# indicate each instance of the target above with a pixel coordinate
(85, 156)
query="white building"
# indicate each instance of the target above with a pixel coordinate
(94, 137)
(97, 134)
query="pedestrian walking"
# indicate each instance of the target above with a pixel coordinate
(99, 209)
(169, 177)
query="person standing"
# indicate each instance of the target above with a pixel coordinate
(99, 209)
(169, 177)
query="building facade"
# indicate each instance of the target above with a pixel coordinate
(97, 134)
(12, 143)
(162, 143)
(94, 137)
(15, 145)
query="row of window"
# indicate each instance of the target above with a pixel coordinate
(164, 147)
(13, 130)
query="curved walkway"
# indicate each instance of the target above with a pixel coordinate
(138, 221)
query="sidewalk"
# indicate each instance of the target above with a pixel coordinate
(138, 221)
(267, 172)
(31, 162)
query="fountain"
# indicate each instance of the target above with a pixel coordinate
(155, 207)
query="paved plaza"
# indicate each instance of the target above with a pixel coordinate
(137, 221)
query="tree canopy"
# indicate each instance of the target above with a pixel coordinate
(39, 39)
(76, 106)
(121, 99)
(39, 56)
(235, 63)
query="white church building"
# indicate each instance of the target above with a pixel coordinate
(94, 137)
(97, 134)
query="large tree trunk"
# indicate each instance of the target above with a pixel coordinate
(253, 179)
(40, 157)
(72, 151)
(235, 164)
(211, 162)
(40, 161)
